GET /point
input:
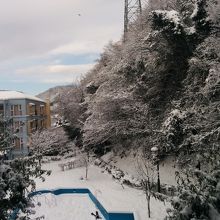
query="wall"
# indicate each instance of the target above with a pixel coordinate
(41, 120)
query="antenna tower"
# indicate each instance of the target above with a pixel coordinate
(132, 10)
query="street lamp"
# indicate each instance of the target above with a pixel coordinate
(198, 165)
(155, 154)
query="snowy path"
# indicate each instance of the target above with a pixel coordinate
(111, 195)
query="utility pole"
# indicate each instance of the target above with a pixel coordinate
(132, 10)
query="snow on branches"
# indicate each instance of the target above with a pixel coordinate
(168, 20)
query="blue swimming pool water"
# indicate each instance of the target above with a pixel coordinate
(107, 215)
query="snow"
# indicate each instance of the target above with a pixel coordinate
(214, 215)
(191, 30)
(63, 207)
(107, 157)
(213, 78)
(195, 11)
(129, 166)
(176, 113)
(170, 15)
(154, 149)
(110, 194)
(7, 94)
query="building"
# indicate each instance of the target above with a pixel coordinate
(28, 114)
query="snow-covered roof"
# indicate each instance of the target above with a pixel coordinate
(7, 95)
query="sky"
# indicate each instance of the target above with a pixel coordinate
(45, 43)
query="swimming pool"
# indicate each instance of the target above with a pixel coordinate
(82, 191)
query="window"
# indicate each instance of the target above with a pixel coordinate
(42, 124)
(16, 110)
(32, 108)
(12, 110)
(18, 126)
(1, 109)
(19, 109)
(21, 143)
(35, 110)
(18, 143)
(33, 125)
(42, 109)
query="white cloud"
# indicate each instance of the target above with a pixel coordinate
(69, 68)
(79, 48)
(31, 31)
(92, 44)
(30, 28)
(53, 73)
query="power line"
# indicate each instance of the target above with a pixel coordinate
(132, 10)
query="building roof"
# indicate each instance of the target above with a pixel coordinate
(7, 95)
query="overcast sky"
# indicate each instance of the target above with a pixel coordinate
(44, 43)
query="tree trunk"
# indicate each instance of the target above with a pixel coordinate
(86, 172)
(148, 206)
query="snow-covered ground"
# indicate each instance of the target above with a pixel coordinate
(64, 207)
(129, 165)
(167, 169)
(109, 193)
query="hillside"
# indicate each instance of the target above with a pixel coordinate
(158, 88)
(153, 99)
(155, 96)
(53, 93)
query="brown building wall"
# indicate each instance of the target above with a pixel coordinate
(40, 116)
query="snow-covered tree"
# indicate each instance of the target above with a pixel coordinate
(169, 65)
(199, 189)
(147, 174)
(6, 135)
(16, 176)
(50, 142)
(71, 108)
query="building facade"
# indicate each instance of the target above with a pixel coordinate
(28, 114)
